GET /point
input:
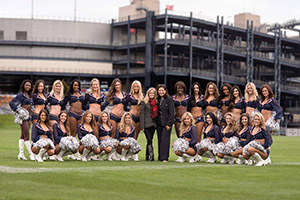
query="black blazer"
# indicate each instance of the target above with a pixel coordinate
(166, 112)
(146, 120)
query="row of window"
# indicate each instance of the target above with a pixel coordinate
(20, 35)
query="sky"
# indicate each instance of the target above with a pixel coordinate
(271, 11)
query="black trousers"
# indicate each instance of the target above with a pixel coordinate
(149, 132)
(163, 142)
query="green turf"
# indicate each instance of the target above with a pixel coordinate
(146, 180)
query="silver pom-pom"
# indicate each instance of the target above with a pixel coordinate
(219, 115)
(230, 146)
(273, 126)
(21, 114)
(206, 143)
(108, 142)
(69, 143)
(180, 145)
(90, 140)
(44, 142)
(134, 145)
(254, 144)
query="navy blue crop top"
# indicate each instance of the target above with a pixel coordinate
(103, 132)
(125, 135)
(224, 103)
(38, 100)
(89, 99)
(261, 134)
(240, 104)
(54, 101)
(81, 131)
(212, 103)
(58, 133)
(117, 100)
(228, 134)
(252, 104)
(22, 99)
(244, 135)
(37, 131)
(184, 102)
(191, 133)
(132, 100)
(272, 104)
(214, 132)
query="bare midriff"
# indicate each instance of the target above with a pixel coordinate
(55, 110)
(224, 110)
(38, 108)
(212, 109)
(196, 112)
(266, 113)
(76, 107)
(104, 137)
(95, 109)
(118, 110)
(180, 110)
(27, 107)
(249, 110)
(236, 113)
(135, 110)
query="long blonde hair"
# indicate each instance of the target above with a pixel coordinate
(233, 124)
(183, 126)
(262, 120)
(254, 96)
(140, 94)
(91, 86)
(61, 90)
(122, 122)
(146, 99)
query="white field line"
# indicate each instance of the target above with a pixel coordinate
(7, 169)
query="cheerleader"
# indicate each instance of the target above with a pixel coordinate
(148, 117)
(224, 103)
(236, 102)
(243, 133)
(87, 134)
(94, 99)
(164, 122)
(181, 100)
(270, 108)
(251, 99)
(76, 101)
(259, 142)
(64, 142)
(41, 136)
(230, 141)
(118, 99)
(56, 101)
(125, 133)
(184, 146)
(211, 99)
(135, 98)
(108, 145)
(39, 99)
(21, 105)
(212, 136)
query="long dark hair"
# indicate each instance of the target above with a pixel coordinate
(241, 126)
(222, 95)
(232, 98)
(206, 94)
(71, 89)
(165, 88)
(23, 84)
(47, 121)
(192, 97)
(66, 123)
(112, 90)
(271, 94)
(36, 85)
(93, 122)
(213, 117)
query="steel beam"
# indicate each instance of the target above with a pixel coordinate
(277, 62)
(250, 52)
(128, 55)
(219, 50)
(148, 49)
(166, 47)
(191, 51)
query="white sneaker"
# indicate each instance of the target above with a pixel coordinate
(123, 155)
(135, 157)
(241, 160)
(223, 161)
(71, 157)
(197, 158)
(260, 161)
(180, 159)
(268, 161)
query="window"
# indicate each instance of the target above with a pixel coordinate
(21, 35)
(1, 35)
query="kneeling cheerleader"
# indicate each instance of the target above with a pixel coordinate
(212, 136)
(108, 144)
(260, 140)
(65, 144)
(184, 146)
(87, 134)
(230, 141)
(41, 136)
(125, 133)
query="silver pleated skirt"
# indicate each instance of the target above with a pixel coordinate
(44, 142)
(69, 143)
(254, 144)
(134, 145)
(230, 146)
(89, 140)
(180, 145)
(108, 142)
(273, 126)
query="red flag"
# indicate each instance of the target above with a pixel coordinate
(132, 30)
(169, 7)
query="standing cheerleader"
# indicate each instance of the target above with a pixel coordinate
(64, 142)
(125, 134)
(55, 99)
(87, 134)
(224, 103)
(108, 145)
(41, 136)
(21, 105)
(270, 108)
(164, 122)
(135, 98)
(94, 99)
(76, 101)
(236, 102)
(211, 99)
(260, 141)
(184, 146)
(39, 99)
(212, 136)
(181, 100)
(251, 99)
(243, 133)
(148, 117)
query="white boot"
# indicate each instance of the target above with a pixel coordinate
(77, 156)
(84, 155)
(21, 155)
(135, 157)
(259, 160)
(197, 158)
(129, 155)
(223, 161)
(187, 156)
(53, 157)
(40, 155)
(212, 157)
(268, 161)
(110, 156)
(28, 146)
(92, 156)
(241, 160)
(123, 155)
(100, 157)
(230, 160)
(115, 155)
(60, 155)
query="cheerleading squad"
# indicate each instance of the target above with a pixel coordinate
(234, 128)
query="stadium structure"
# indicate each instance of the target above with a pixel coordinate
(153, 47)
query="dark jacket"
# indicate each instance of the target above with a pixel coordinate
(166, 112)
(146, 120)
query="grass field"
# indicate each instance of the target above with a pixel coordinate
(146, 180)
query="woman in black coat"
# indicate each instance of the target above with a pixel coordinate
(165, 121)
